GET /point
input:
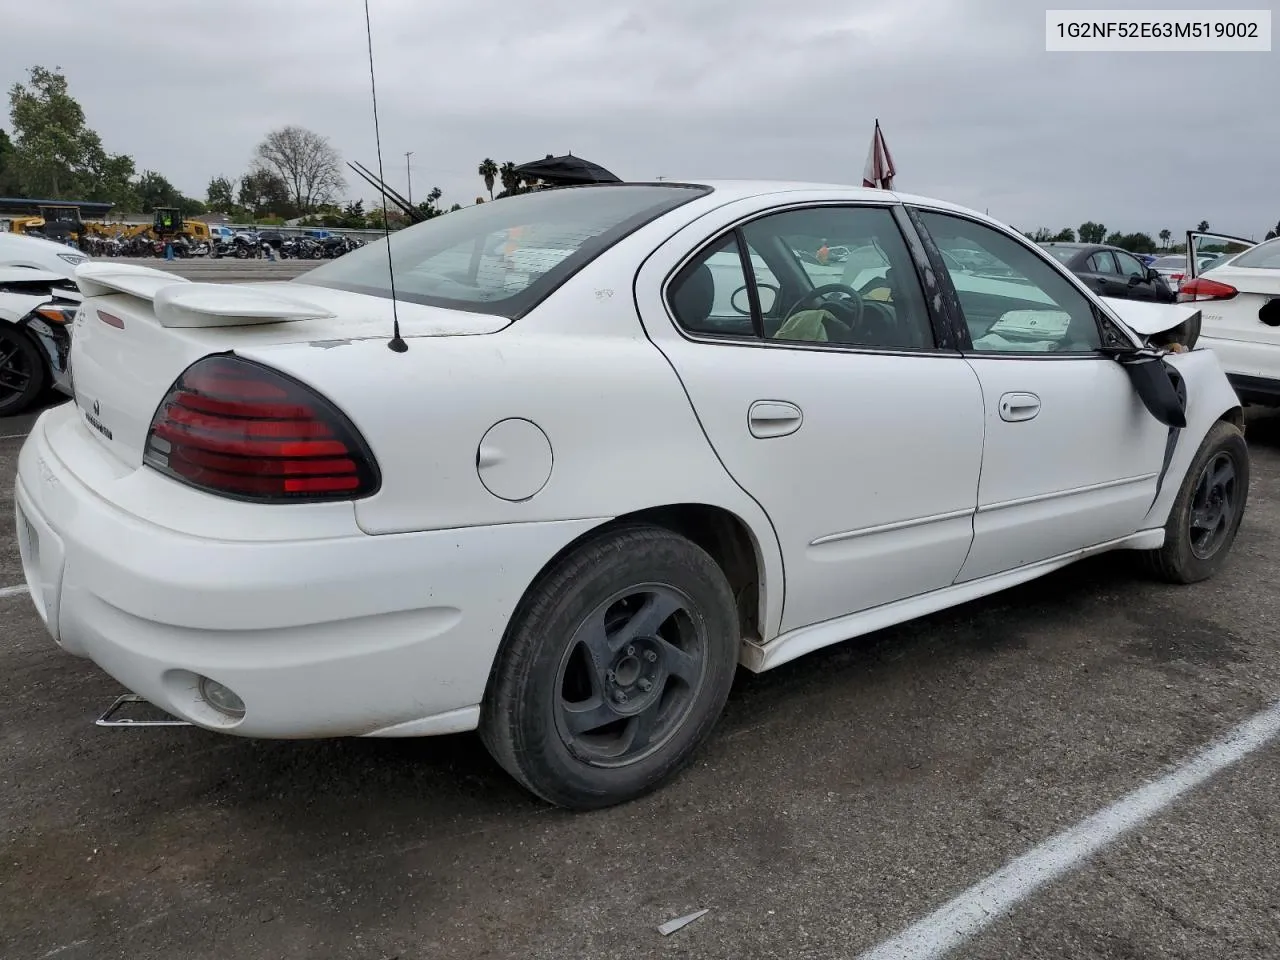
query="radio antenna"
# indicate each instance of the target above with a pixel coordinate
(397, 342)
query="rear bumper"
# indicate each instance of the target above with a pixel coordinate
(342, 636)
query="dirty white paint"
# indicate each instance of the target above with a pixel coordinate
(13, 591)
(993, 897)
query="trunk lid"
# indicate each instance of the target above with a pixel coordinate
(139, 329)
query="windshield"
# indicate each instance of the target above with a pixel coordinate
(1169, 263)
(505, 256)
(1265, 256)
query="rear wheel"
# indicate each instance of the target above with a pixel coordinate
(614, 669)
(22, 371)
(1206, 515)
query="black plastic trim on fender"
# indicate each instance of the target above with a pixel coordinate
(1171, 444)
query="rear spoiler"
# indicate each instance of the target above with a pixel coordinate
(180, 303)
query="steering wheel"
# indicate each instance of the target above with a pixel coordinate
(848, 311)
(733, 297)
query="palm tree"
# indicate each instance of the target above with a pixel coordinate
(510, 179)
(1164, 237)
(489, 171)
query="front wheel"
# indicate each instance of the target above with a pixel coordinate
(1206, 515)
(614, 669)
(22, 371)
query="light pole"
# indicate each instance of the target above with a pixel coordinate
(408, 174)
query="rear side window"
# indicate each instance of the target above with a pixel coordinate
(831, 275)
(505, 256)
(1265, 256)
(1102, 262)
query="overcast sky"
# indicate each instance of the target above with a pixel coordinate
(973, 108)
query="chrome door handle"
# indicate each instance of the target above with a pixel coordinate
(773, 418)
(1017, 407)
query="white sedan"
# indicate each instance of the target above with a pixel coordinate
(1239, 297)
(560, 496)
(38, 298)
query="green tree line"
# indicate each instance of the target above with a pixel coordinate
(53, 154)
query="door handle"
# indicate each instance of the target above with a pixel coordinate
(773, 418)
(1016, 407)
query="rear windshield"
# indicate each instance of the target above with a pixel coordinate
(504, 256)
(1265, 255)
(1063, 253)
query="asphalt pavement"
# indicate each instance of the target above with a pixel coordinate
(844, 798)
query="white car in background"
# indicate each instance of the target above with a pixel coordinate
(1174, 270)
(38, 299)
(1239, 300)
(561, 495)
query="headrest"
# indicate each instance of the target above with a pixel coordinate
(693, 295)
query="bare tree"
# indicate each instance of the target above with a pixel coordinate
(307, 163)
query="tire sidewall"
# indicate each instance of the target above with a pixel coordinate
(663, 558)
(1222, 438)
(39, 374)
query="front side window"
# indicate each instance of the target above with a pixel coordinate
(1029, 307)
(505, 256)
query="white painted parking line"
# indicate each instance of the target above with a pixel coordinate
(991, 898)
(13, 591)
(13, 436)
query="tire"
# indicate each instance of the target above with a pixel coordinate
(545, 680)
(1187, 556)
(22, 371)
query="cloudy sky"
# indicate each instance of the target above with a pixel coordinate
(973, 108)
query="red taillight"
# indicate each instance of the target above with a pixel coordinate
(239, 429)
(1203, 289)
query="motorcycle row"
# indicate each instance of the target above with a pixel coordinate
(243, 245)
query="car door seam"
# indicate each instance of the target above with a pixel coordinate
(982, 465)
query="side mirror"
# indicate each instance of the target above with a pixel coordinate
(1153, 275)
(1153, 381)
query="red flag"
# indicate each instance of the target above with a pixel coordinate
(879, 171)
